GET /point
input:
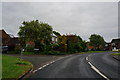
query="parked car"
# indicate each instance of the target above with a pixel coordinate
(3, 49)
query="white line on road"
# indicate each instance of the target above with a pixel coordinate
(87, 58)
(49, 64)
(95, 69)
(42, 67)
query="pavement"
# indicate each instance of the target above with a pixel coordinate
(94, 65)
(38, 60)
(116, 57)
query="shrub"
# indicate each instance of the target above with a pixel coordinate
(55, 47)
(14, 52)
(29, 49)
(28, 53)
(47, 47)
(39, 46)
(17, 50)
(54, 53)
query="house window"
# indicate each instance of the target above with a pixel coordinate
(113, 44)
(106, 44)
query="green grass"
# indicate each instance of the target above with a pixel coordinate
(116, 54)
(13, 67)
(91, 52)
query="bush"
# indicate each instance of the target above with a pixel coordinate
(14, 52)
(39, 46)
(54, 53)
(38, 52)
(118, 50)
(29, 49)
(62, 47)
(47, 47)
(28, 53)
(17, 51)
(55, 47)
(73, 48)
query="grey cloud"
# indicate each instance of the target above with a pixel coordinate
(77, 18)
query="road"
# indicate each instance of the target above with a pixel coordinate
(93, 65)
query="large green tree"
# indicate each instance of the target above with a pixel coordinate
(35, 31)
(97, 41)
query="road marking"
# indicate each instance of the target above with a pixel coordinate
(40, 68)
(43, 66)
(87, 58)
(35, 71)
(95, 69)
(49, 64)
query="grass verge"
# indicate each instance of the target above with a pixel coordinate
(91, 52)
(13, 67)
(116, 54)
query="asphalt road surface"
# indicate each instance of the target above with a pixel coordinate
(94, 65)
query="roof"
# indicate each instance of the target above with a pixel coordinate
(3, 34)
(115, 40)
(90, 47)
(53, 35)
(107, 42)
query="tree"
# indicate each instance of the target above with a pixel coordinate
(71, 43)
(62, 43)
(35, 31)
(97, 41)
(82, 46)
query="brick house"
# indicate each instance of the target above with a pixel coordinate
(108, 46)
(9, 41)
(89, 47)
(115, 44)
(4, 37)
(12, 43)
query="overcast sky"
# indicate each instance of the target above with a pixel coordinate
(81, 18)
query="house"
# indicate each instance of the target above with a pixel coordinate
(12, 43)
(54, 39)
(115, 44)
(7, 40)
(4, 38)
(89, 47)
(107, 46)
